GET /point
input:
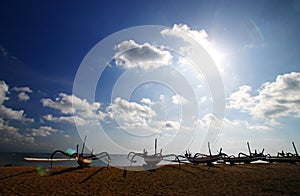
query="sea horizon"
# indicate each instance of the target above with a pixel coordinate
(17, 159)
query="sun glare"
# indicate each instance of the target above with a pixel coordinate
(217, 56)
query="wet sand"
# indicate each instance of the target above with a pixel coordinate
(266, 179)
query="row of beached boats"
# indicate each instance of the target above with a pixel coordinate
(151, 161)
(209, 159)
(255, 156)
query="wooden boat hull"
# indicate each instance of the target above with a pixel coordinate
(152, 160)
(84, 162)
(283, 159)
(245, 160)
(203, 160)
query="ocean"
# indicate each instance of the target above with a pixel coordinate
(17, 159)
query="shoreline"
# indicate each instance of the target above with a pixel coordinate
(165, 180)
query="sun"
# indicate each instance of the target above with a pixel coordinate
(217, 56)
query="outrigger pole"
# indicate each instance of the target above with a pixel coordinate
(155, 145)
(77, 150)
(295, 149)
(249, 149)
(209, 149)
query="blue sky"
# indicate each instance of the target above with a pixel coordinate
(255, 46)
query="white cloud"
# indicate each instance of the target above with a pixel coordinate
(22, 89)
(183, 31)
(171, 125)
(199, 35)
(62, 103)
(179, 100)
(83, 112)
(23, 96)
(210, 120)
(69, 104)
(130, 114)
(11, 134)
(5, 127)
(3, 92)
(43, 131)
(66, 119)
(121, 106)
(101, 115)
(162, 97)
(139, 119)
(280, 98)
(242, 99)
(146, 101)
(145, 56)
(8, 113)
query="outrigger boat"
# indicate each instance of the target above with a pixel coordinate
(244, 158)
(151, 161)
(285, 157)
(200, 158)
(82, 159)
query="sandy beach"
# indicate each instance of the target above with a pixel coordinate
(267, 179)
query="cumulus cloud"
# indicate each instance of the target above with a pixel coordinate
(5, 127)
(8, 132)
(183, 32)
(171, 125)
(280, 98)
(65, 119)
(80, 110)
(130, 54)
(23, 95)
(3, 92)
(179, 100)
(70, 104)
(242, 99)
(139, 119)
(121, 106)
(162, 97)
(130, 114)
(43, 131)
(22, 89)
(146, 101)
(198, 35)
(11, 134)
(210, 120)
(8, 113)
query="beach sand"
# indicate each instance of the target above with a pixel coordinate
(268, 179)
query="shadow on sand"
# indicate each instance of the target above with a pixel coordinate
(184, 169)
(65, 171)
(90, 176)
(19, 174)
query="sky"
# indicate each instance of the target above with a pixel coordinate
(126, 72)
